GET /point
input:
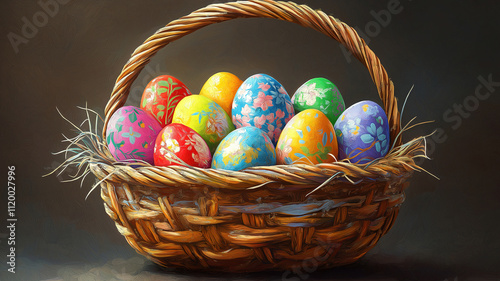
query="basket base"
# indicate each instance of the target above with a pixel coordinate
(204, 231)
(294, 267)
(322, 256)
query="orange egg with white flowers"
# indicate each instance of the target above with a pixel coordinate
(308, 138)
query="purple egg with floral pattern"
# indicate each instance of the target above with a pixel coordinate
(362, 132)
(131, 134)
(262, 102)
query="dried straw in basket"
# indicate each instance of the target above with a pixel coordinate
(261, 218)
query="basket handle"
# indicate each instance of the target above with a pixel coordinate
(287, 11)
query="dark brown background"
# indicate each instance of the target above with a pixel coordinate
(446, 229)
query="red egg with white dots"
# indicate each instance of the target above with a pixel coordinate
(177, 144)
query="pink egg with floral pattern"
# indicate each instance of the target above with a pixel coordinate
(131, 134)
(177, 144)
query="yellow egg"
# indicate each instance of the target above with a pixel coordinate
(204, 116)
(309, 138)
(221, 88)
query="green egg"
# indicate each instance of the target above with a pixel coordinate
(321, 94)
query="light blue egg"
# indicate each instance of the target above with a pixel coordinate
(242, 148)
(262, 102)
(363, 132)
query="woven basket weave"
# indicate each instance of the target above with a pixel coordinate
(261, 218)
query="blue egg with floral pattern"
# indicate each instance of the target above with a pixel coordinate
(242, 148)
(262, 102)
(363, 133)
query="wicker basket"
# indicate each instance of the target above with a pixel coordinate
(261, 218)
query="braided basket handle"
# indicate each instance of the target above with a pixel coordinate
(287, 11)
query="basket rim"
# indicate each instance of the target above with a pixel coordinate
(397, 165)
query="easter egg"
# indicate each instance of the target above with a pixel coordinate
(221, 88)
(161, 96)
(363, 132)
(309, 138)
(131, 134)
(242, 148)
(204, 116)
(178, 144)
(321, 94)
(262, 102)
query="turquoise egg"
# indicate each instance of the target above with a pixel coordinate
(244, 147)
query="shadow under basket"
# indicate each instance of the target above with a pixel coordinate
(260, 218)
